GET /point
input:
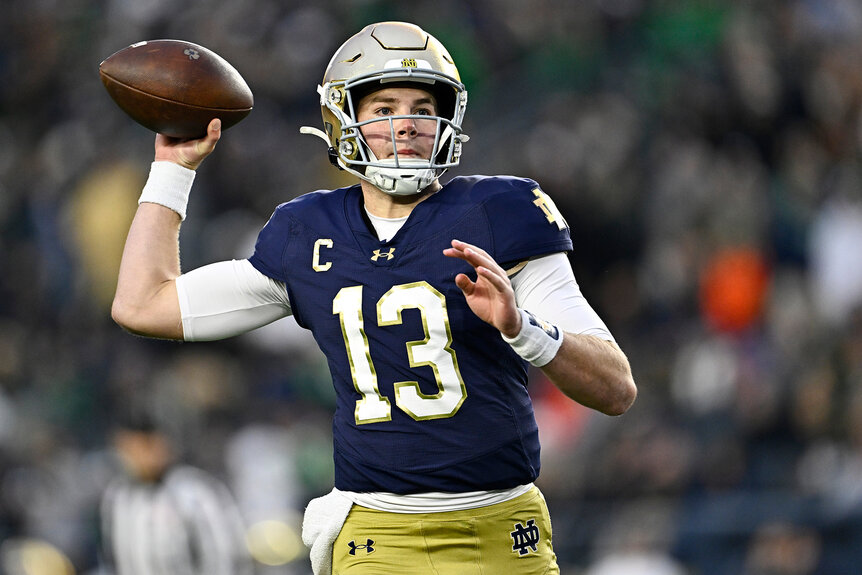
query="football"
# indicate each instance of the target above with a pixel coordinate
(175, 87)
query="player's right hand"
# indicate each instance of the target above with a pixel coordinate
(491, 296)
(188, 153)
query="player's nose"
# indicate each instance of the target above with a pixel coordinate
(405, 127)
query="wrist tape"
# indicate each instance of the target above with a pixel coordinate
(538, 341)
(168, 185)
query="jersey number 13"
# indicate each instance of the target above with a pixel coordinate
(434, 351)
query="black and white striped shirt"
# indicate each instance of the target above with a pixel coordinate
(187, 524)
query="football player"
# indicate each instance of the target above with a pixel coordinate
(430, 302)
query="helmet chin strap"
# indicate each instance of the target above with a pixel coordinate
(404, 180)
(308, 130)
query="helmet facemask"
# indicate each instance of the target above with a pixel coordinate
(397, 176)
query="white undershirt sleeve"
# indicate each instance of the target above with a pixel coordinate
(546, 287)
(228, 298)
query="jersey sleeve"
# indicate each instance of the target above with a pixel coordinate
(272, 241)
(525, 222)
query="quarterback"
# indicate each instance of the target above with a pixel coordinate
(430, 301)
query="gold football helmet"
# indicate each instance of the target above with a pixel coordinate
(381, 54)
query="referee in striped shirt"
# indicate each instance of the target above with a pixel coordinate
(163, 518)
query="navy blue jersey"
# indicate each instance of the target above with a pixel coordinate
(429, 397)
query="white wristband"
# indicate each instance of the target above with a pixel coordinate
(169, 185)
(538, 341)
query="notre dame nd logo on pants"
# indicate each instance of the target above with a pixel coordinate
(511, 538)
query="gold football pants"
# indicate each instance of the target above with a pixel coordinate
(513, 537)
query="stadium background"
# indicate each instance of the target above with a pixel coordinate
(706, 155)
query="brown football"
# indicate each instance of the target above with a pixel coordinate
(175, 87)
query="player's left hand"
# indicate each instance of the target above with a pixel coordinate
(491, 296)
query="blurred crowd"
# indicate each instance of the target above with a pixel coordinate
(706, 155)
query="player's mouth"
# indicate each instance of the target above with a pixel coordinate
(407, 153)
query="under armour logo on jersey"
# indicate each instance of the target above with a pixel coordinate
(368, 547)
(525, 538)
(381, 254)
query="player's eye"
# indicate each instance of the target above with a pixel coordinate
(424, 112)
